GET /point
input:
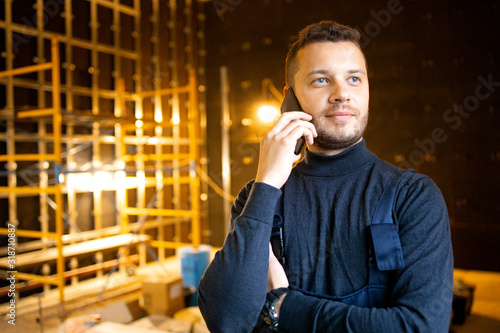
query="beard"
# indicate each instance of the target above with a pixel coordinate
(343, 135)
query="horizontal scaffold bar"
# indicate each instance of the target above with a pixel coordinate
(35, 113)
(37, 278)
(157, 212)
(29, 233)
(167, 244)
(26, 70)
(28, 157)
(28, 190)
(154, 157)
(101, 244)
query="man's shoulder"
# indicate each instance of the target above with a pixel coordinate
(414, 189)
(383, 167)
(412, 183)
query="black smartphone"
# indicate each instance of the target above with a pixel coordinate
(290, 103)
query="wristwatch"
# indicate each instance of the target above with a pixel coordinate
(268, 313)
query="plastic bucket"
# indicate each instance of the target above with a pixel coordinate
(193, 265)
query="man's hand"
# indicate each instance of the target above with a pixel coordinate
(276, 278)
(277, 156)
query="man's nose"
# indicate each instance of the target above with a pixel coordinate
(339, 93)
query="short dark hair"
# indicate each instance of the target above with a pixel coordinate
(324, 31)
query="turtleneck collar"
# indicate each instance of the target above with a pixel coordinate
(353, 159)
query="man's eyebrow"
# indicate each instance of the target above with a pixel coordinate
(356, 71)
(318, 71)
(325, 71)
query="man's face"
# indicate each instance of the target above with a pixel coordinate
(332, 86)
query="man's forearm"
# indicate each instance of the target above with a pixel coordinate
(420, 294)
(233, 288)
(301, 313)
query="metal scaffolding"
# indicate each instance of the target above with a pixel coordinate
(118, 127)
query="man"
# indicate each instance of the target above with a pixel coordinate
(341, 273)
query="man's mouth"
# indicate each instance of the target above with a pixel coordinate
(340, 115)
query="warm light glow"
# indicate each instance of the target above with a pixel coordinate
(118, 108)
(159, 176)
(158, 113)
(246, 121)
(120, 165)
(204, 197)
(102, 180)
(138, 109)
(81, 181)
(268, 113)
(176, 119)
(139, 123)
(248, 160)
(141, 179)
(120, 177)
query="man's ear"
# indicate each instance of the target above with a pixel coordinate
(285, 89)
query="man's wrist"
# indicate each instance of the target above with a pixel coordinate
(277, 306)
(270, 311)
(267, 182)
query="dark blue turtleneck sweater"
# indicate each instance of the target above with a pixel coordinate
(329, 202)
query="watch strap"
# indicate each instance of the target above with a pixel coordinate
(274, 295)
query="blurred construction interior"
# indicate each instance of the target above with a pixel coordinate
(126, 126)
(103, 144)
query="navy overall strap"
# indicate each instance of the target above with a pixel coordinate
(384, 232)
(277, 232)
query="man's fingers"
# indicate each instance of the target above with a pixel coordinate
(288, 117)
(276, 156)
(309, 136)
(298, 128)
(295, 115)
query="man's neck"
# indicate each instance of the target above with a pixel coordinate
(330, 152)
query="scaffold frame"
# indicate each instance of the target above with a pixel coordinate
(154, 134)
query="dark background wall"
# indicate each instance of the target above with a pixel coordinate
(435, 97)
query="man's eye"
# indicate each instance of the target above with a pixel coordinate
(354, 79)
(320, 80)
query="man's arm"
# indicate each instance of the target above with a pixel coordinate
(233, 289)
(422, 292)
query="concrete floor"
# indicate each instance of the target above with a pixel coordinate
(485, 313)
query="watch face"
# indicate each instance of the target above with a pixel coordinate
(270, 316)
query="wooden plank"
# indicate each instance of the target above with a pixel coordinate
(82, 271)
(36, 257)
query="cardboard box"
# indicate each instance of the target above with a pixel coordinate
(163, 323)
(117, 312)
(200, 327)
(163, 295)
(109, 327)
(193, 315)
